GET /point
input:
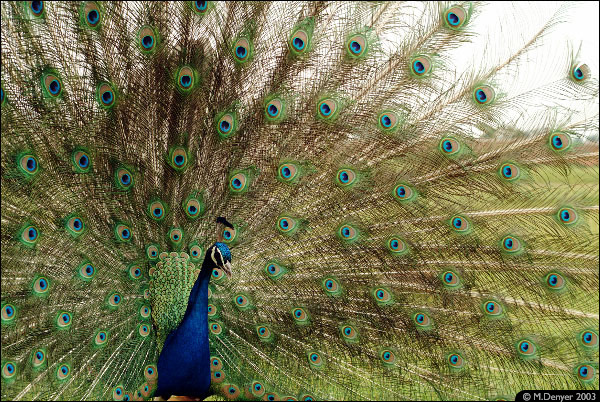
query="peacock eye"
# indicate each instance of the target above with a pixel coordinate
(356, 45)
(299, 41)
(147, 39)
(421, 66)
(242, 50)
(455, 17)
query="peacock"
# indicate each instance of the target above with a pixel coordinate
(294, 201)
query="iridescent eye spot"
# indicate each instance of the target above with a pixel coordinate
(29, 235)
(147, 39)
(560, 141)
(230, 391)
(123, 233)
(123, 178)
(450, 279)
(421, 66)
(41, 286)
(387, 120)
(201, 6)
(39, 357)
(74, 226)
(63, 372)
(195, 252)
(327, 108)
(218, 376)
(349, 333)
(176, 235)
(455, 17)
(54, 87)
(491, 308)
(257, 389)
(273, 109)
(93, 17)
(63, 320)
(152, 252)
(218, 274)
(422, 320)
(315, 359)
(356, 45)
(101, 338)
(117, 393)
(242, 50)
(586, 372)
(299, 41)
(396, 245)
(156, 210)
(226, 125)
(567, 216)
(9, 370)
(484, 95)
(143, 330)
(114, 300)
(287, 171)
(185, 79)
(8, 313)
(215, 328)
(382, 296)
(509, 171)
(51, 85)
(215, 363)
(455, 360)
(403, 192)
(511, 244)
(331, 286)
(460, 224)
(81, 161)
(345, 177)
(91, 13)
(300, 315)
(526, 348)
(555, 281)
(37, 7)
(238, 182)
(145, 311)
(589, 339)
(27, 164)
(286, 224)
(106, 95)
(241, 301)
(580, 72)
(388, 356)
(264, 333)
(347, 232)
(179, 158)
(135, 272)
(449, 146)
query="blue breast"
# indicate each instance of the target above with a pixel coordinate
(184, 363)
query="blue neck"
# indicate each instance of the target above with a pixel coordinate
(184, 363)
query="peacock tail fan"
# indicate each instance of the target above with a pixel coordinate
(397, 229)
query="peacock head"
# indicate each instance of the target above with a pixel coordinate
(221, 256)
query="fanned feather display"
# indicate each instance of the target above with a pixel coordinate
(277, 201)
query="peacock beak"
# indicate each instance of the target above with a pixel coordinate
(227, 269)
